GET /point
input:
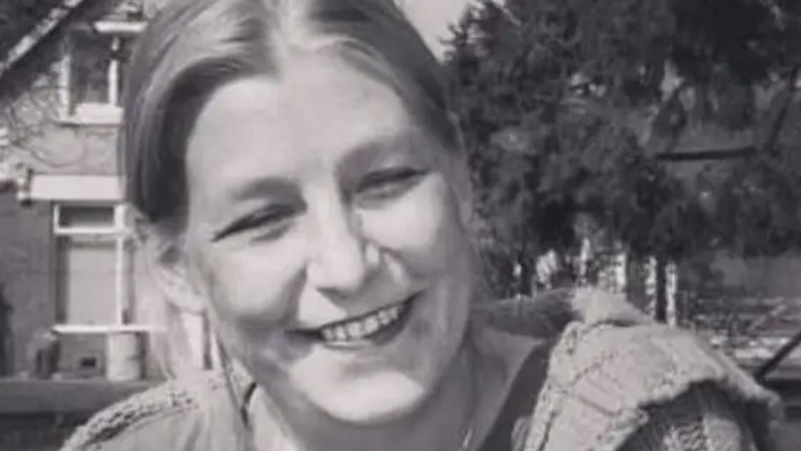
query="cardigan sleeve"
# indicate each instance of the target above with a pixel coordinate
(702, 419)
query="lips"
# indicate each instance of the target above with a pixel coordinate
(363, 327)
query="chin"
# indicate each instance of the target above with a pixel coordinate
(393, 392)
(378, 400)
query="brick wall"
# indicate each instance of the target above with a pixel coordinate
(26, 266)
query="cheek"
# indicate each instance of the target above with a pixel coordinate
(423, 230)
(431, 240)
(250, 288)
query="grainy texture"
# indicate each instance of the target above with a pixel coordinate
(612, 376)
(26, 277)
(700, 420)
(40, 432)
(611, 366)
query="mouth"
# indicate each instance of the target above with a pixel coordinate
(377, 325)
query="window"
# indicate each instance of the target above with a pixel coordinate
(94, 264)
(93, 71)
(102, 298)
(95, 269)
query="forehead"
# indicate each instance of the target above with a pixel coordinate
(317, 109)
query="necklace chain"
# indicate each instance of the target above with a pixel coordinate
(464, 444)
(467, 439)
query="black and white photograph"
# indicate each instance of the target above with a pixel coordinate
(400, 225)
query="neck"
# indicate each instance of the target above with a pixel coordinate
(466, 402)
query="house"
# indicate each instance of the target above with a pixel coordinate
(67, 261)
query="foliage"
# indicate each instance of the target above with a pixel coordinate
(569, 106)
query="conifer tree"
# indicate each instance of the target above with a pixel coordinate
(570, 109)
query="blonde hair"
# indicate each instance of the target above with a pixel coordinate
(195, 46)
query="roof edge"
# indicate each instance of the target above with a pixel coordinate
(41, 30)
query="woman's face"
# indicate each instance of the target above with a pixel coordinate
(325, 232)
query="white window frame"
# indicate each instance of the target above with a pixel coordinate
(120, 232)
(94, 113)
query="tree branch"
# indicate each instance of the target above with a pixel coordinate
(676, 133)
(773, 135)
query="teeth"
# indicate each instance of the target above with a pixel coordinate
(328, 334)
(362, 327)
(354, 329)
(371, 324)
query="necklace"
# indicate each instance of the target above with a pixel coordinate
(467, 440)
(464, 444)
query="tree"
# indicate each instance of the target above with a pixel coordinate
(569, 108)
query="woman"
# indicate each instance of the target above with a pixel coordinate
(300, 182)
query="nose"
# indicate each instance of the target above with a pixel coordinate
(341, 260)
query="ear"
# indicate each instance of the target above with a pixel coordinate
(166, 263)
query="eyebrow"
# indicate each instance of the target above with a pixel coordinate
(249, 190)
(256, 187)
(382, 145)
(378, 146)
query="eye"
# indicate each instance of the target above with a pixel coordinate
(389, 183)
(268, 222)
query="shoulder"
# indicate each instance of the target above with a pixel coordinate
(702, 419)
(167, 415)
(610, 366)
(546, 314)
(614, 349)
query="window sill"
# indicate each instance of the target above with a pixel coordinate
(92, 115)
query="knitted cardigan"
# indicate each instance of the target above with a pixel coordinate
(628, 384)
(615, 382)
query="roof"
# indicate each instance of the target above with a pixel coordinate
(48, 20)
(18, 17)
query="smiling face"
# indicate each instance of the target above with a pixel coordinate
(325, 232)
